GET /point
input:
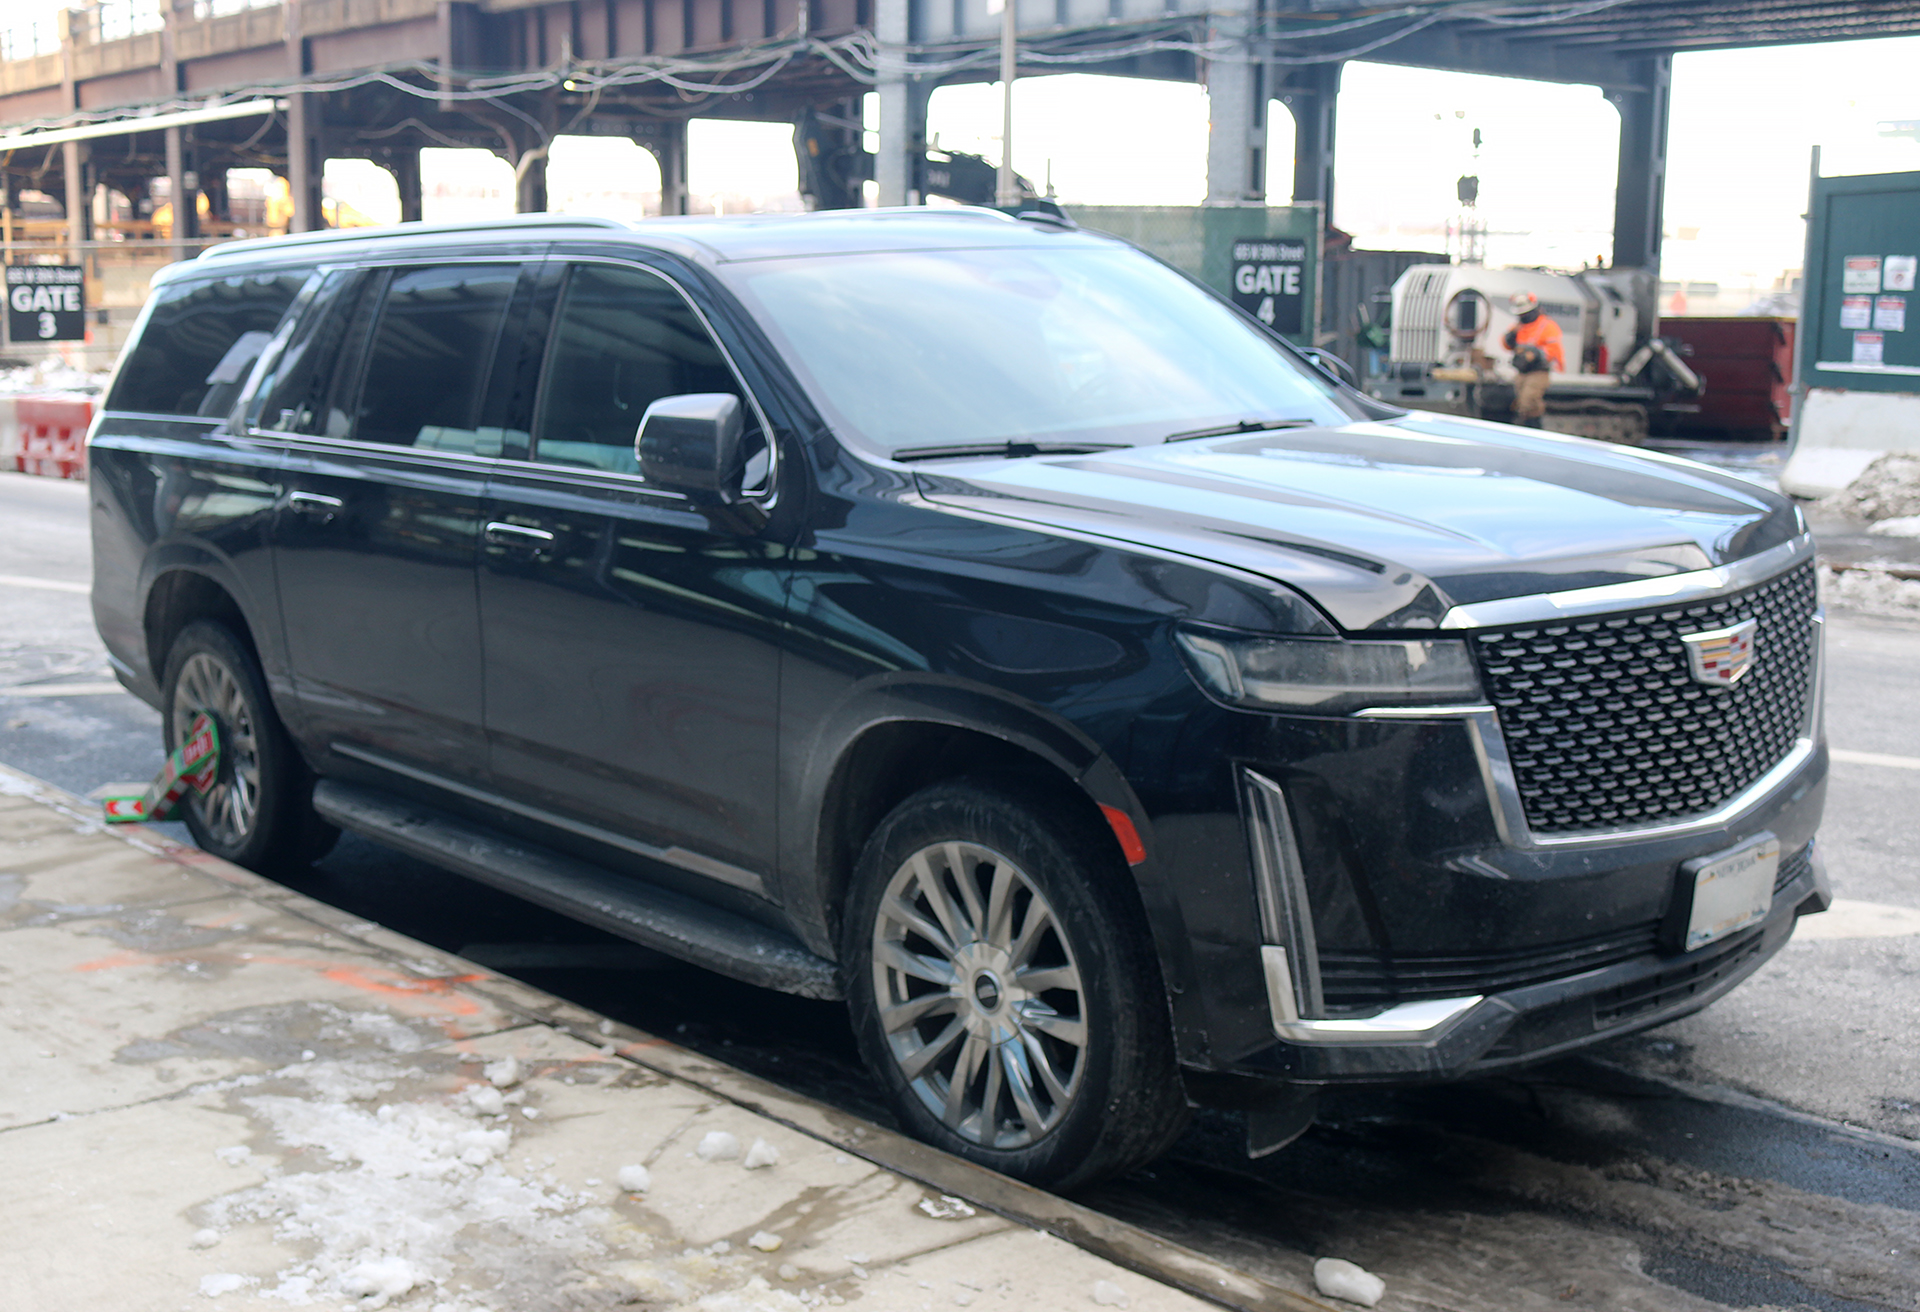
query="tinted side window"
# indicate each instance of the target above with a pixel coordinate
(624, 339)
(200, 343)
(431, 353)
(299, 390)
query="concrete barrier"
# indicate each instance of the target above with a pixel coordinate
(45, 433)
(1840, 433)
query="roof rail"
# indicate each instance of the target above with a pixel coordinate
(412, 229)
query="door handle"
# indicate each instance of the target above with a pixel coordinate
(515, 535)
(315, 503)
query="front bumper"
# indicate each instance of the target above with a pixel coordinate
(1450, 1038)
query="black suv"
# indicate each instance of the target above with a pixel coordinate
(972, 618)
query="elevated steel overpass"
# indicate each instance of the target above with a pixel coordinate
(133, 89)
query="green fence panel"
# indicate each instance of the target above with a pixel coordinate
(1860, 314)
(1265, 258)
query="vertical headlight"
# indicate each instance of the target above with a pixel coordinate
(1329, 676)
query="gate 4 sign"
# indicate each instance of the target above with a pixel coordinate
(1269, 280)
(46, 303)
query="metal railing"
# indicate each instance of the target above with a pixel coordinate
(111, 20)
(25, 40)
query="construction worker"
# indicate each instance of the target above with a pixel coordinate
(1535, 343)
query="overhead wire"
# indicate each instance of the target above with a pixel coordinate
(860, 56)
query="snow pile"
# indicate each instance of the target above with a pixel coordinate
(1343, 1280)
(413, 1177)
(1889, 488)
(51, 375)
(413, 1203)
(1872, 590)
(717, 1146)
(1900, 526)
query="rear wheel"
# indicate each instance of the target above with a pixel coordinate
(1005, 992)
(259, 812)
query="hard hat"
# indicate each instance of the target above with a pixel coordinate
(1522, 302)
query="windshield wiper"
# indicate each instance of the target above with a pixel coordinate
(1015, 449)
(1239, 426)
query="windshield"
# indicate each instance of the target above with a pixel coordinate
(906, 350)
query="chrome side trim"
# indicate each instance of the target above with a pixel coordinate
(1290, 959)
(1280, 885)
(679, 857)
(1421, 712)
(1695, 585)
(1410, 1022)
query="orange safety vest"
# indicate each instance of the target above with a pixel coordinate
(1545, 334)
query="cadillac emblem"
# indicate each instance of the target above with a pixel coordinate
(1721, 657)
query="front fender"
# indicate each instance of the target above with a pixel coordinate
(813, 878)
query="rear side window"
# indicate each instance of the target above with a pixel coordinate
(624, 339)
(431, 352)
(300, 391)
(201, 340)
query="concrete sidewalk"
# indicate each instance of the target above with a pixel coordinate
(215, 1092)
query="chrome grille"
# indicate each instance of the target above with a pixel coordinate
(1606, 727)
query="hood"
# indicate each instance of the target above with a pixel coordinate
(1386, 525)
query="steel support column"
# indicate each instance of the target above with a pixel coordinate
(669, 147)
(1236, 118)
(903, 108)
(73, 161)
(1639, 194)
(183, 197)
(1312, 95)
(530, 180)
(404, 163)
(305, 161)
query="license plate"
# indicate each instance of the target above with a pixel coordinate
(1733, 890)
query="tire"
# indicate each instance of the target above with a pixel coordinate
(259, 812)
(1037, 978)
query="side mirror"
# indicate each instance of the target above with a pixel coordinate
(691, 444)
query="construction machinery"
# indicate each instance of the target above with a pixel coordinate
(1446, 350)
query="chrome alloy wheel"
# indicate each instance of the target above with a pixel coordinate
(979, 995)
(232, 805)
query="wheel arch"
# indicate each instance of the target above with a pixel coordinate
(182, 596)
(876, 753)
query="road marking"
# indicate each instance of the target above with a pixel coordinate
(61, 690)
(1847, 919)
(1874, 758)
(51, 585)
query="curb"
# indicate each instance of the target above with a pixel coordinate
(1125, 1245)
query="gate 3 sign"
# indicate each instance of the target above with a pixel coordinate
(46, 303)
(1267, 274)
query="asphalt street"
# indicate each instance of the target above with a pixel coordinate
(1762, 1154)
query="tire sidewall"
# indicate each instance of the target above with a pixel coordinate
(1070, 1151)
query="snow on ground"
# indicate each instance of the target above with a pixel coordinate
(414, 1203)
(1889, 488)
(50, 376)
(1871, 590)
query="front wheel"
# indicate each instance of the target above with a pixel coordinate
(1003, 988)
(259, 812)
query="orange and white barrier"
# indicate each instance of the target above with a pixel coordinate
(45, 433)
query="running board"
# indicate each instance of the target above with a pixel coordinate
(658, 918)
